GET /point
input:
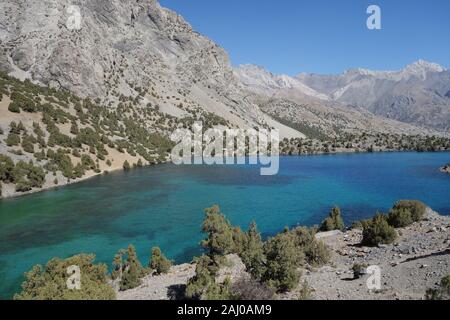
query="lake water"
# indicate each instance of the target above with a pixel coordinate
(163, 205)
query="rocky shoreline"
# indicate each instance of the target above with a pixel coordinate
(446, 168)
(414, 263)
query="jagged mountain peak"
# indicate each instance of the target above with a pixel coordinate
(422, 65)
(414, 94)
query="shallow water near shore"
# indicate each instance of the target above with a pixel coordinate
(163, 205)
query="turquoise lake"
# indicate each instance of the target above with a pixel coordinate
(163, 205)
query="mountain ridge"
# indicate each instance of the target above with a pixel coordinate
(418, 94)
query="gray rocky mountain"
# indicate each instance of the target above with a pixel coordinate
(311, 102)
(417, 94)
(121, 48)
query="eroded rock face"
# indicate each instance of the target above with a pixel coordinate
(119, 45)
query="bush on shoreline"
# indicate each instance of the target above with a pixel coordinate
(378, 232)
(334, 221)
(406, 212)
(283, 260)
(159, 262)
(50, 282)
(133, 270)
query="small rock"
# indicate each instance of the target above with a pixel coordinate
(434, 229)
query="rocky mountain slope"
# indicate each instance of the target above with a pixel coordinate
(419, 94)
(124, 48)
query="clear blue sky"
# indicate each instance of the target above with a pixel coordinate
(322, 36)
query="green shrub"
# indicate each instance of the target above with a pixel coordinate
(252, 253)
(251, 289)
(415, 207)
(334, 221)
(378, 232)
(219, 232)
(283, 259)
(399, 218)
(305, 292)
(87, 162)
(50, 282)
(132, 271)
(203, 285)
(14, 107)
(6, 169)
(126, 165)
(361, 224)
(23, 186)
(159, 262)
(13, 139)
(61, 161)
(315, 251)
(28, 143)
(442, 292)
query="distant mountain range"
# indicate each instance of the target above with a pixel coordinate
(419, 94)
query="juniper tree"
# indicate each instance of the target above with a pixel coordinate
(133, 272)
(334, 221)
(118, 265)
(378, 231)
(219, 232)
(405, 212)
(239, 240)
(283, 259)
(126, 165)
(50, 282)
(253, 254)
(203, 285)
(159, 262)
